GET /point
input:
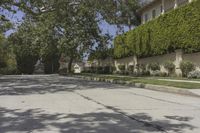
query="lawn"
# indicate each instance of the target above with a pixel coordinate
(150, 80)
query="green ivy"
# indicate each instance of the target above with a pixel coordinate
(177, 29)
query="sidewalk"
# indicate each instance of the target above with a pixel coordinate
(175, 80)
(163, 88)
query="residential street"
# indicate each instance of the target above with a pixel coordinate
(57, 104)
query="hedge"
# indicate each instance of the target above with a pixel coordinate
(177, 29)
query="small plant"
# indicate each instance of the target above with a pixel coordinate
(154, 66)
(156, 73)
(131, 68)
(186, 67)
(113, 68)
(99, 70)
(169, 66)
(107, 70)
(194, 74)
(121, 67)
(141, 67)
(63, 71)
(9, 71)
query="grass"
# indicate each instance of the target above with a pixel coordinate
(150, 80)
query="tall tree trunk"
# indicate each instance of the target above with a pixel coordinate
(70, 65)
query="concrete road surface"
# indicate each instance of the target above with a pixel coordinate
(56, 104)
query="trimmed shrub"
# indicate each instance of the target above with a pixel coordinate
(3, 63)
(186, 67)
(141, 67)
(159, 73)
(169, 65)
(9, 71)
(99, 70)
(194, 74)
(141, 73)
(26, 63)
(113, 69)
(154, 66)
(131, 69)
(155, 73)
(176, 29)
(107, 70)
(122, 67)
(63, 71)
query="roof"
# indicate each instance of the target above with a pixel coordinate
(146, 4)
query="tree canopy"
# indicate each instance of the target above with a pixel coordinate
(52, 27)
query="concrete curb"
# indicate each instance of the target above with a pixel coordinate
(160, 88)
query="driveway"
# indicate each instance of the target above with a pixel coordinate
(56, 104)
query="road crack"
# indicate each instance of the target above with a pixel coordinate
(116, 110)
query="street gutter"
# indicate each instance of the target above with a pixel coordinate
(161, 88)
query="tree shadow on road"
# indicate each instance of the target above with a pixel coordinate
(22, 85)
(37, 120)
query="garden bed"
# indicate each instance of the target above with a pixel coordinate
(148, 80)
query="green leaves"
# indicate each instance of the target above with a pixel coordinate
(120, 12)
(177, 29)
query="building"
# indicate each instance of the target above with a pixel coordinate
(78, 67)
(155, 8)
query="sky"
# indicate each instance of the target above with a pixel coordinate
(18, 18)
(104, 26)
(15, 18)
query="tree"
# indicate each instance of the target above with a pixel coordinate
(2, 52)
(119, 12)
(72, 25)
(78, 29)
(26, 49)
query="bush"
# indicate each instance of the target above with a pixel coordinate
(9, 71)
(169, 66)
(177, 29)
(141, 67)
(155, 73)
(3, 63)
(63, 71)
(141, 73)
(51, 56)
(159, 73)
(26, 63)
(99, 70)
(154, 66)
(113, 69)
(131, 68)
(186, 67)
(107, 70)
(122, 67)
(194, 74)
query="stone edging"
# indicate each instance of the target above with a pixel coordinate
(167, 89)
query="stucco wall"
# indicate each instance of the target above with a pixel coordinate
(159, 59)
(125, 61)
(194, 58)
(182, 2)
(107, 62)
(168, 5)
(148, 11)
(176, 57)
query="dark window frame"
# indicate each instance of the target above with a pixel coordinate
(154, 13)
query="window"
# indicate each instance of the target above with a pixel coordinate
(161, 8)
(146, 17)
(153, 13)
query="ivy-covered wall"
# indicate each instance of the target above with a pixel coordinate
(177, 29)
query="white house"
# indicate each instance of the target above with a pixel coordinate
(77, 67)
(155, 8)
